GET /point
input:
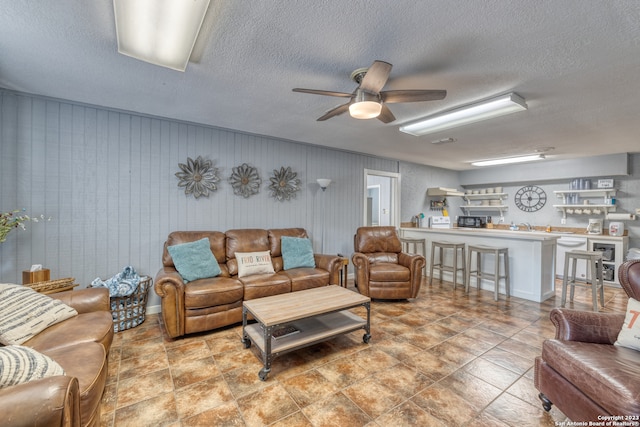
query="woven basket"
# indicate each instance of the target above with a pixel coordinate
(51, 286)
(129, 311)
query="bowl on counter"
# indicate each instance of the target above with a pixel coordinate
(497, 189)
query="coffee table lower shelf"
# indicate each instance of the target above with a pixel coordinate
(313, 330)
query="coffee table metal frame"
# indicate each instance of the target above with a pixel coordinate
(319, 313)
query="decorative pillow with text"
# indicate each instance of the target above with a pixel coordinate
(250, 263)
(629, 336)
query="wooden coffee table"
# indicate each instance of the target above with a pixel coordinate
(318, 314)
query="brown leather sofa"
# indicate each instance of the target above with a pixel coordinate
(382, 270)
(211, 303)
(582, 372)
(81, 346)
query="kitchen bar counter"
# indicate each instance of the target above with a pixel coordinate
(531, 256)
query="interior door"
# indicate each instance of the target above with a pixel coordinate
(381, 198)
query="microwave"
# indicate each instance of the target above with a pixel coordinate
(472, 221)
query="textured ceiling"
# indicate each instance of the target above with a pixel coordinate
(576, 62)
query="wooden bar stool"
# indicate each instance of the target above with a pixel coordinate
(479, 251)
(593, 280)
(414, 243)
(441, 266)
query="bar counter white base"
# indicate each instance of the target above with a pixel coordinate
(532, 257)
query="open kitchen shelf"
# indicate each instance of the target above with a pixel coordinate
(486, 196)
(604, 209)
(484, 208)
(604, 193)
(470, 208)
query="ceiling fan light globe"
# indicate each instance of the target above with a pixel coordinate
(365, 109)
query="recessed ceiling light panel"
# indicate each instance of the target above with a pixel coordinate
(162, 32)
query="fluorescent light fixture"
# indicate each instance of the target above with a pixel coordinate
(472, 113)
(507, 160)
(161, 32)
(365, 105)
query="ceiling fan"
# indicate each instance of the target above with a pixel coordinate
(368, 101)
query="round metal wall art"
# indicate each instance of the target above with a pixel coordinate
(284, 184)
(245, 180)
(198, 177)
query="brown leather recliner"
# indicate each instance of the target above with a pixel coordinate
(382, 270)
(581, 371)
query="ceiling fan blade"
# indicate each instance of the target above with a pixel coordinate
(386, 116)
(323, 92)
(395, 96)
(334, 112)
(376, 76)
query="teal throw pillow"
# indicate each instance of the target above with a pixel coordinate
(297, 252)
(194, 260)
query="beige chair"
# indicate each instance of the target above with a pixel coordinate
(478, 252)
(458, 253)
(594, 275)
(413, 245)
(382, 270)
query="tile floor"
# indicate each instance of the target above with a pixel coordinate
(445, 359)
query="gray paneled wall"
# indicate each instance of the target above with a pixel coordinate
(107, 180)
(415, 181)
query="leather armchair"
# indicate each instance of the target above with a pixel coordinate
(581, 371)
(382, 270)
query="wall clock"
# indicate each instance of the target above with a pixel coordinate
(530, 198)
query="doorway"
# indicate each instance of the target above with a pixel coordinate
(381, 198)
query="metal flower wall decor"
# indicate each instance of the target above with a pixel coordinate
(284, 184)
(245, 180)
(198, 177)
